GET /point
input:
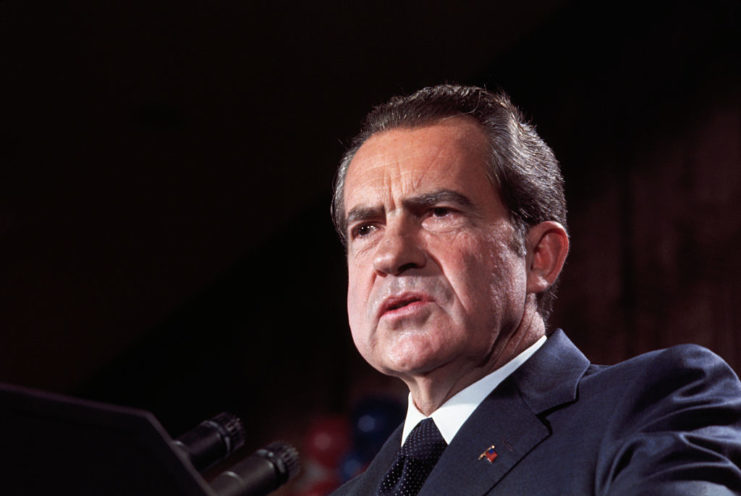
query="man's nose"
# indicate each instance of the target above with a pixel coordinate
(399, 250)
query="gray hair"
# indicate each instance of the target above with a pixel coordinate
(521, 165)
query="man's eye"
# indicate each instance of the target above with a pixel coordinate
(363, 230)
(440, 211)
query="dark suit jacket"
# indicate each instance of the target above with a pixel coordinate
(666, 423)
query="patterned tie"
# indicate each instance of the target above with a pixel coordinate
(414, 461)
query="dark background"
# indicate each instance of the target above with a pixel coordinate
(166, 169)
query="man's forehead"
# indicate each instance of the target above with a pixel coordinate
(417, 160)
(434, 135)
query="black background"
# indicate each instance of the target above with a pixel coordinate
(166, 171)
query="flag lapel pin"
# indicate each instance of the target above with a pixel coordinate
(490, 454)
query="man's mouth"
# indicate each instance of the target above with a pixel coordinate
(396, 303)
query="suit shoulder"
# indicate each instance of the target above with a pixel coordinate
(674, 417)
(673, 383)
(690, 356)
(677, 388)
(685, 362)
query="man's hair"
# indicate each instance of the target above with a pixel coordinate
(521, 165)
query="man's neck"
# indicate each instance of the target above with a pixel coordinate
(429, 391)
(452, 414)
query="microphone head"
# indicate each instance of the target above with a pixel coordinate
(262, 472)
(285, 459)
(231, 428)
(212, 441)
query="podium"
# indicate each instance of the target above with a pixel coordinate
(53, 444)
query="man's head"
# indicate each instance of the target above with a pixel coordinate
(520, 165)
(449, 243)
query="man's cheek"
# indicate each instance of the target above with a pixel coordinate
(356, 313)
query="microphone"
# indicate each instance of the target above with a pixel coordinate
(212, 440)
(260, 473)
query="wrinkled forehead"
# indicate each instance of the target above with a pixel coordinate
(402, 161)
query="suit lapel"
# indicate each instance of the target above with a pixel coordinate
(504, 421)
(370, 479)
(509, 420)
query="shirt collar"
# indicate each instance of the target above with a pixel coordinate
(453, 413)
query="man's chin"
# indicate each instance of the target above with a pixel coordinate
(410, 368)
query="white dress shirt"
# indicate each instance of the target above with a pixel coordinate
(453, 413)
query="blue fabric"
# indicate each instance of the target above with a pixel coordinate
(663, 423)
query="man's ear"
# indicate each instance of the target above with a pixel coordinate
(547, 247)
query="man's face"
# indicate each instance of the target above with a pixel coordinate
(434, 283)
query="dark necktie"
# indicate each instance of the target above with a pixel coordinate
(414, 461)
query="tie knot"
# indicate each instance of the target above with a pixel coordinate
(424, 443)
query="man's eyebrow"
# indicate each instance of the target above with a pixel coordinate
(430, 199)
(440, 196)
(362, 213)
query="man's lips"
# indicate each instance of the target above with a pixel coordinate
(403, 302)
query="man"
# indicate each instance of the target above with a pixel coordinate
(453, 215)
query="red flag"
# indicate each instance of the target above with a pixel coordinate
(490, 454)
